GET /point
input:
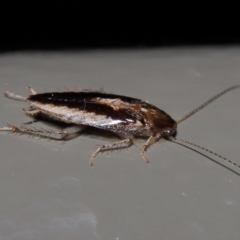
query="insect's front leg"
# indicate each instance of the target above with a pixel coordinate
(151, 140)
(125, 143)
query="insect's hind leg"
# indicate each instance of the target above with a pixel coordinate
(72, 130)
(17, 97)
(125, 143)
(42, 132)
(13, 95)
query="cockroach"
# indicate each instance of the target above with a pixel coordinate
(125, 116)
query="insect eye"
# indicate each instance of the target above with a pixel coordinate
(169, 132)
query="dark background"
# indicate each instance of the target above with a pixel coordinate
(105, 24)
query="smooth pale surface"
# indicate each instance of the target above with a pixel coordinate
(48, 190)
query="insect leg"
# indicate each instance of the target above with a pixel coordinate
(13, 95)
(42, 132)
(125, 143)
(33, 112)
(149, 142)
(72, 130)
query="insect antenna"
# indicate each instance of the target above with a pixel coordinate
(185, 142)
(206, 103)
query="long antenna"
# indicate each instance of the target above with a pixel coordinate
(184, 142)
(206, 103)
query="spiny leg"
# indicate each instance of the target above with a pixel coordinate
(149, 142)
(32, 112)
(42, 132)
(125, 143)
(13, 95)
(72, 130)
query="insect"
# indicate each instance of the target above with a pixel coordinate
(125, 116)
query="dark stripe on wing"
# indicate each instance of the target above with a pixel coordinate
(88, 101)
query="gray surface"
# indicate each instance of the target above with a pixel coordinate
(48, 190)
